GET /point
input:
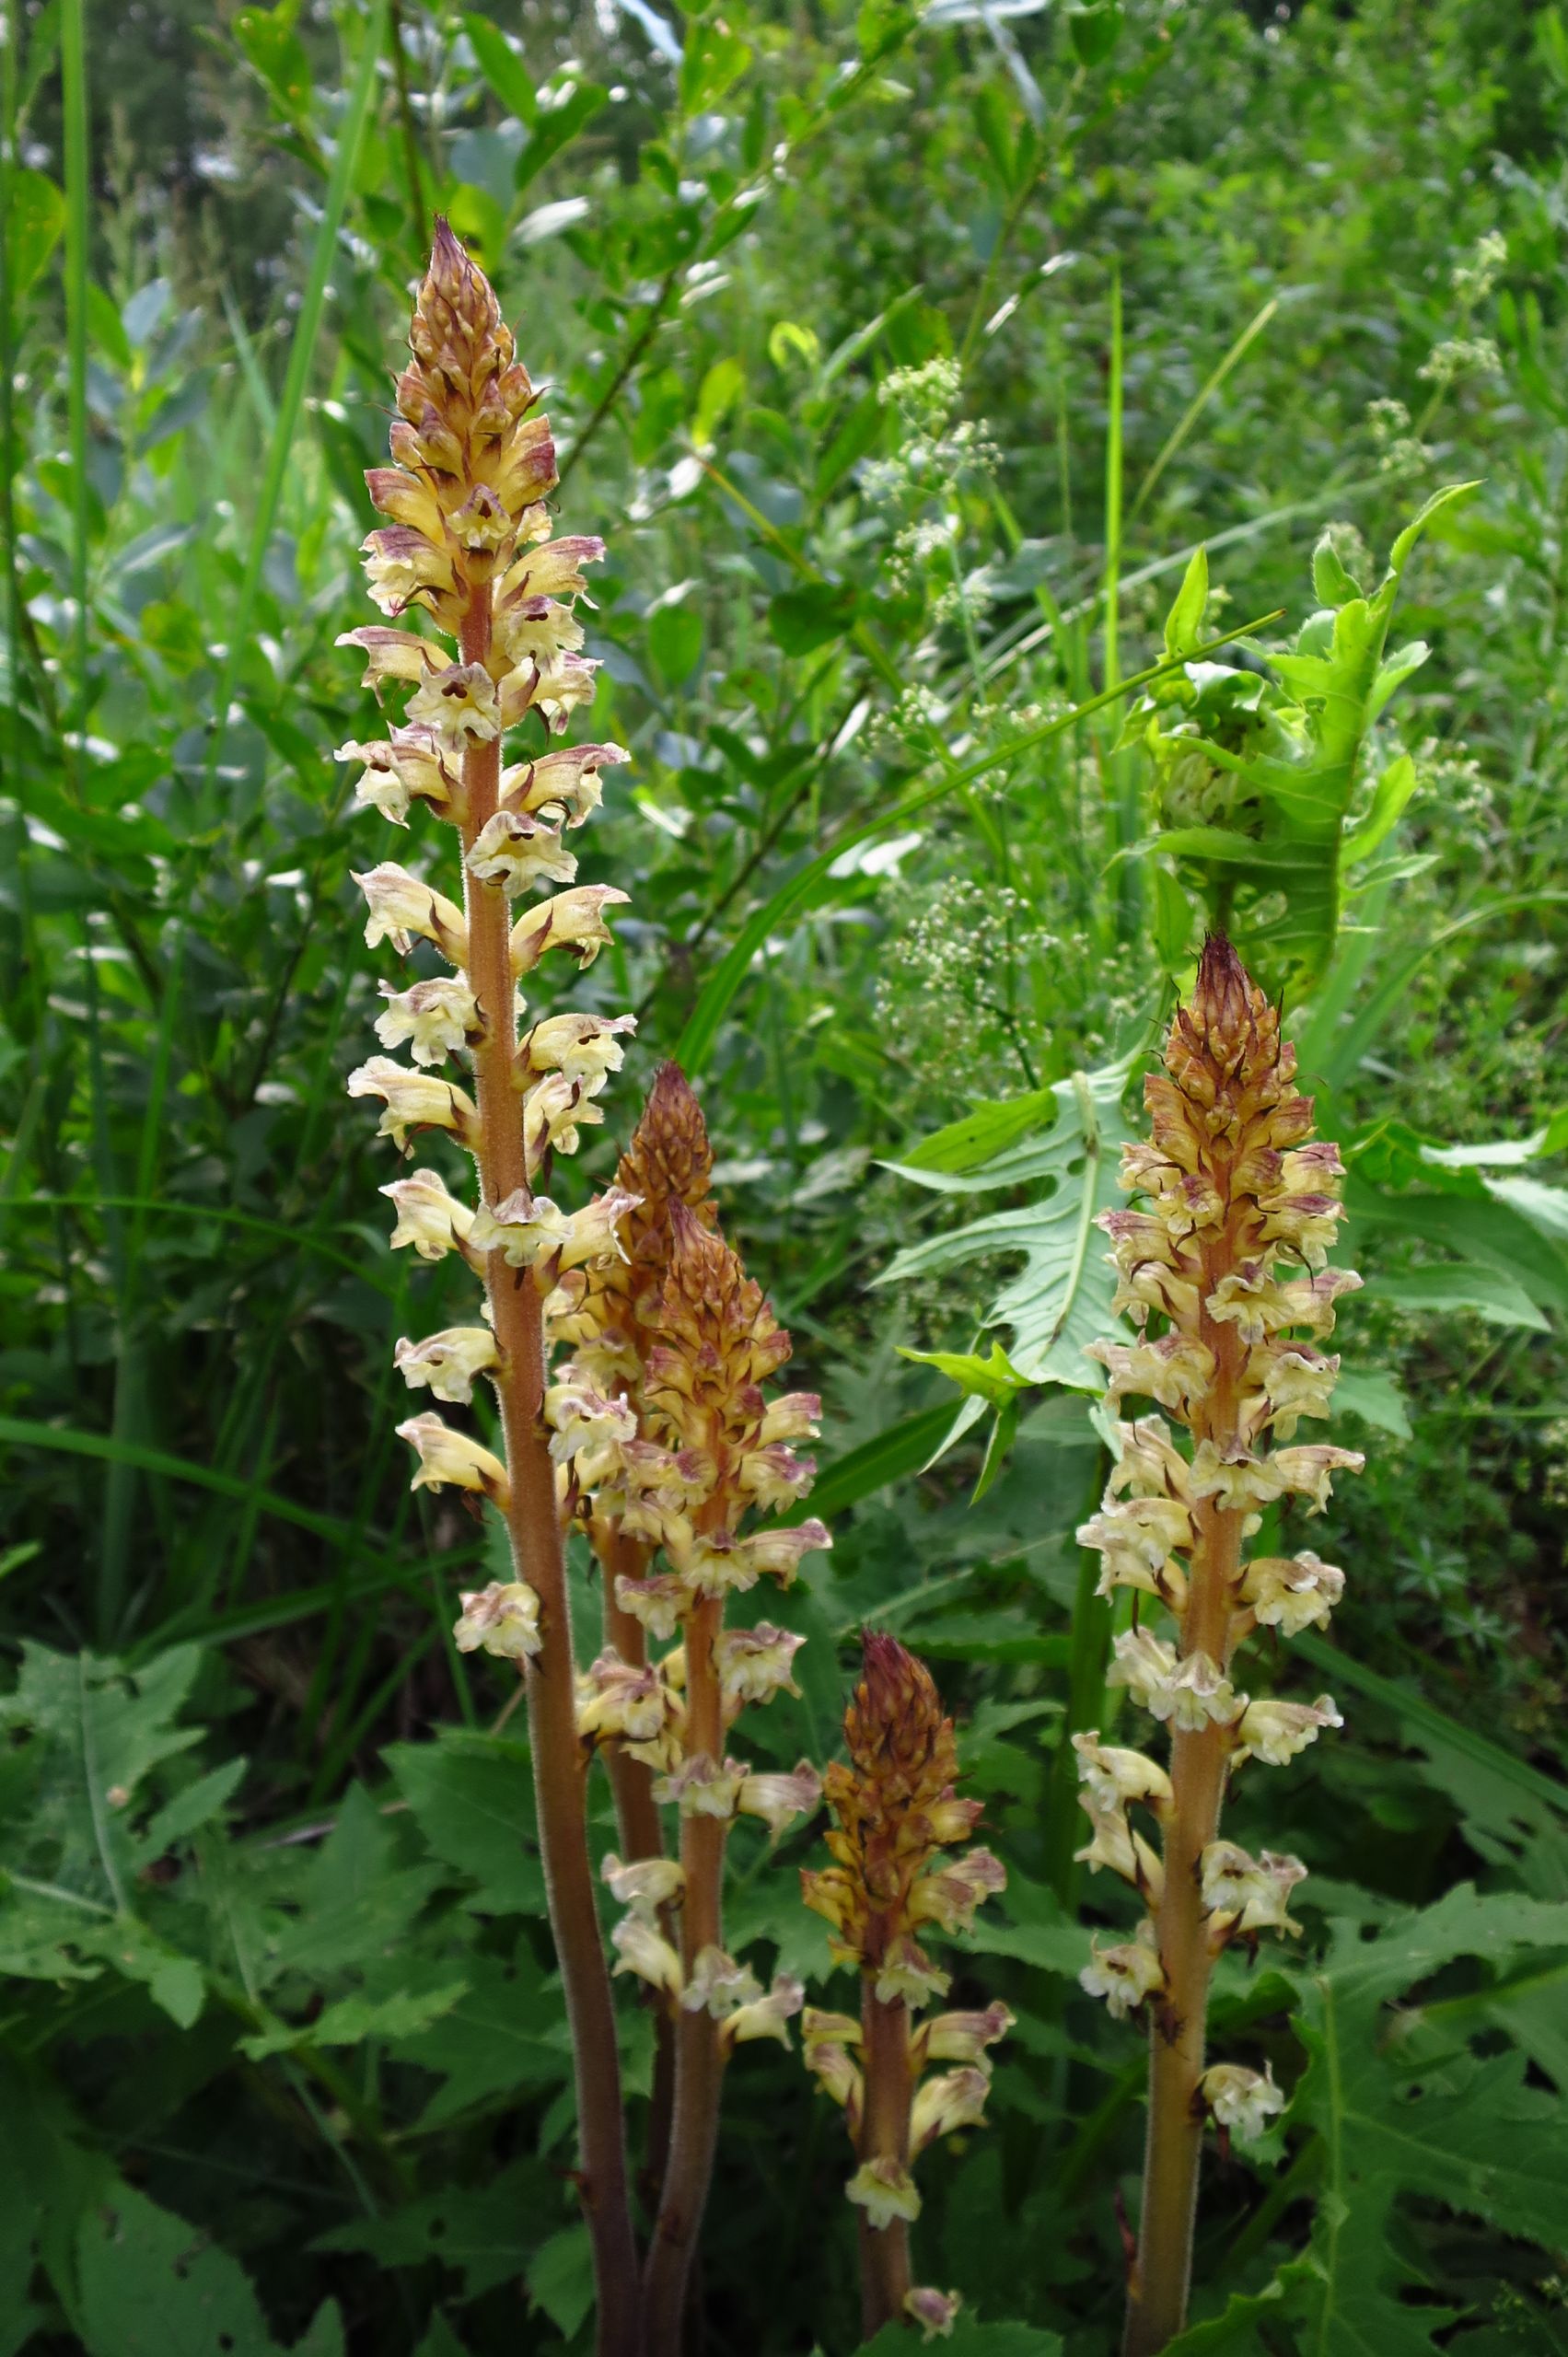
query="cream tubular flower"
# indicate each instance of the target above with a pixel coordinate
(779, 1799)
(502, 1618)
(1243, 2102)
(1292, 1592)
(572, 921)
(519, 852)
(450, 1459)
(1125, 1975)
(448, 1362)
(943, 2106)
(414, 1100)
(885, 2190)
(645, 1884)
(430, 1219)
(1275, 1732)
(400, 906)
(642, 1948)
(768, 2016)
(934, 2312)
(437, 1017)
(718, 1985)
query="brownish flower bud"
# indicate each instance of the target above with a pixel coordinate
(717, 1341)
(669, 1161)
(896, 1809)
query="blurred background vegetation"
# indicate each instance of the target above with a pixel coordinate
(902, 356)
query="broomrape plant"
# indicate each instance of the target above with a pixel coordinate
(896, 1812)
(655, 1434)
(469, 539)
(1230, 1255)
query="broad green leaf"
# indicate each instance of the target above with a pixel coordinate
(271, 46)
(1335, 684)
(503, 66)
(472, 1799)
(36, 218)
(353, 2020)
(1393, 791)
(1060, 1300)
(1184, 624)
(1470, 2136)
(355, 1900)
(561, 2278)
(979, 1137)
(483, 2230)
(902, 1448)
(1375, 1396)
(1492, 1294)
(150, 2285)
(561, 116)
(503, 2034)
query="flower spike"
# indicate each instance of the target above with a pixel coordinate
(466, 542)
(1229, 1248)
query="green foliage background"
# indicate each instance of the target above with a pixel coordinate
(904, 356)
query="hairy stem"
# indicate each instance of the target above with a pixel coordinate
(533, 1525)
(1158, 2293)
(699, 2054)
(885, 2135)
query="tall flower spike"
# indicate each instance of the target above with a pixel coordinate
(684, 1340)
(467, 544)
(1229, 1251)
(896, 1812)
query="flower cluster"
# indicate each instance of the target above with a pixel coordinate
(665, 1442)
(467, 542)
(1223, 1269)
(897, 1815)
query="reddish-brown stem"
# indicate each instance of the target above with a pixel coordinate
(698, 2052)
(884, 2135)
(533, 1525)
(1161, 2277)
(642, 1835)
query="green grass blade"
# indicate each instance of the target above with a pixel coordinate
(1425, 1720)
(23, 1433)
(1200, 402)
(73, 97)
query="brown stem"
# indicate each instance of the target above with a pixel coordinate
(884, 2135)
(699, 2052)
(1162, 2272)
(642, 1835)
(534, 1527)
